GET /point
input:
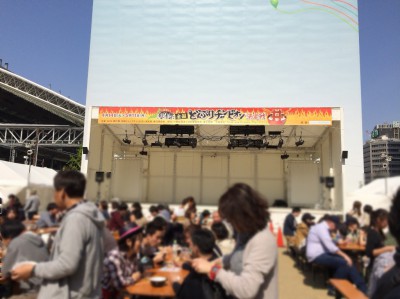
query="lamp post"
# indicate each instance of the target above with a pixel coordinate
(29, 152)
(386, 167)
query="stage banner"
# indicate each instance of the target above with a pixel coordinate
(215, 116)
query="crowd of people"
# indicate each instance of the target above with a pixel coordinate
(320, 243)
(98, 252)
(229, 253)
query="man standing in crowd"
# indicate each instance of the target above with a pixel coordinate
(289, 226)
(321, 250)
(75, 267)
(32, 205)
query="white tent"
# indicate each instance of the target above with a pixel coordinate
(14, 180)
(378, 193)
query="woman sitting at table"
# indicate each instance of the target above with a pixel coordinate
(375, 236)
(351, 232)
(380, 255)
(254, 275)
(121, 267)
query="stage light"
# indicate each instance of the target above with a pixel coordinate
(274, 133)
(150, 132)
(284, 156)
(177, 143)
(247, 130)
(193, 142)
(299, 142)
(249, 143)
(143, 152)
(126, 140)
(156, 143)
(280, 143)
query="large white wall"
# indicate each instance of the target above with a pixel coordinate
(230, 53)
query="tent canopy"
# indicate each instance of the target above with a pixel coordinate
(14, 180)
(378, 193)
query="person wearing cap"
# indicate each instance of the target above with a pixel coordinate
(121, 266)
(307, 220)
(321, 250)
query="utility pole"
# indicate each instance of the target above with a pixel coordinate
(36, 148)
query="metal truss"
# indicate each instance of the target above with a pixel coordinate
(43, 97)
(12, 135)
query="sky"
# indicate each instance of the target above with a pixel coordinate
(48, 42)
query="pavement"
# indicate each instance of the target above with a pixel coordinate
(297, 284)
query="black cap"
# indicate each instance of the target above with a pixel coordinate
(335, 219)
(307, 216)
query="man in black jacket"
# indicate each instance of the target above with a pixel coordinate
(389, 284)
(195, 285)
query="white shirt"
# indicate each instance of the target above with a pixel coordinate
(319, 241)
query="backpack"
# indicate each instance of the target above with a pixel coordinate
(212, 290)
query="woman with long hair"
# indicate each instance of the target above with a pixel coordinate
(388, 286)
(381, 255)
(356, 211)
(375, 235)
(250, 271)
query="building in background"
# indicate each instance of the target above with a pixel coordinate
(38, 126)
(214, 65)
(382, 152)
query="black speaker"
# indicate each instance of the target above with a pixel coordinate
(329, 182)
(345, 155)
(108, 175)
(85, 150)
(99, 176)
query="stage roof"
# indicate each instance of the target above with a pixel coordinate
(23, 101)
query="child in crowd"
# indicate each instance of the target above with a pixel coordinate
(121, 267)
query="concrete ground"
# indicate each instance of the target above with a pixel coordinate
(297, 284)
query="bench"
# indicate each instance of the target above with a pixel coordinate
(347, 289)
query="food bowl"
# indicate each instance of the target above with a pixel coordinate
(157, 281)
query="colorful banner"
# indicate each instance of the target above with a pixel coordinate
(215, 116)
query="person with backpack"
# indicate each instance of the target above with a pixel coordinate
(196, 285)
